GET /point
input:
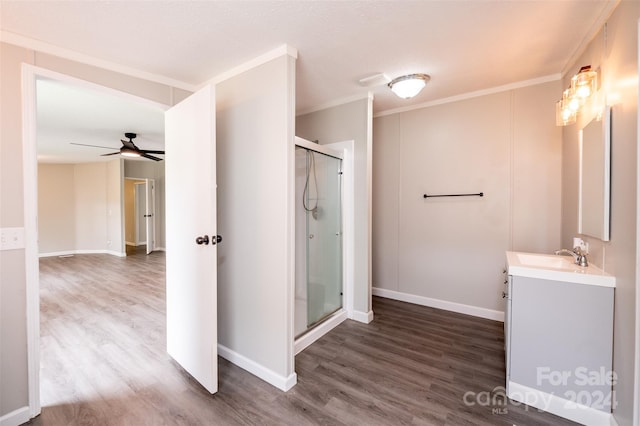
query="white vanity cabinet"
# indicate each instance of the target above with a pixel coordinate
(559, 337)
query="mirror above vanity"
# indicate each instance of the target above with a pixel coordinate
(595, 177)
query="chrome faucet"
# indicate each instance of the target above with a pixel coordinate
(577, 253)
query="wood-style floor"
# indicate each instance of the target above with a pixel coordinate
(104, 362)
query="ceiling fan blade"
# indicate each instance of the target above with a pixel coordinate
(150, 157)
(148, 151)
(95, 146)
(113, 153)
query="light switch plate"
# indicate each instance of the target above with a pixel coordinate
(11, 238)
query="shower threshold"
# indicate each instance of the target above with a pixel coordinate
(319, 329)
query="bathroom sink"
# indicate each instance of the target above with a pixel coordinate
(555, 267)
(546, 261)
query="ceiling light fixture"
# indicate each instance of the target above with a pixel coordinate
(409, 86)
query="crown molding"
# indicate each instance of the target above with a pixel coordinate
(470, 95)
(50, 49)
(283, 50)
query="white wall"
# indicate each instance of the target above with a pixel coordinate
(79, 208)
(351, 121)
(255, 176)
(616, 52)
(449, 252)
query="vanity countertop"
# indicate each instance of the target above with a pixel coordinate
(557, 268)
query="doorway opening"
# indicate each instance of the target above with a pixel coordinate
(105, 206)
(139, 215)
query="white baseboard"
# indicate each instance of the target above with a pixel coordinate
(315, 333)
(440, 304)
(160, 249)
(72, 252)
(16, 417)
(363, 317)
(269, 376)
(559, 406)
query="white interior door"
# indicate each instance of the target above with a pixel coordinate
(190, 173)
(150, 214)
(140, 212)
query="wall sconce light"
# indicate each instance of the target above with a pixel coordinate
(583, 84)
(408, 86)
(583, 87)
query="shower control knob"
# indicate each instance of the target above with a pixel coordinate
(202, 240)
(311, 236)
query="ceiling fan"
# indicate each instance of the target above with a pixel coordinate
(129, 149)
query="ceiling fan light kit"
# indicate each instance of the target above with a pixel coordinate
(408, 86)
(126, 152)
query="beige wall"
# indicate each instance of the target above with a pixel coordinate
(91, 206)
(616, 52)
(13, 334)
(452, 250)
(351, 121)
(79, 208)
(56, 208)
(115, 214)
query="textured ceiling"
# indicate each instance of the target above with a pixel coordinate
(464, 45)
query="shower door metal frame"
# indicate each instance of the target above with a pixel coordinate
(312, 146)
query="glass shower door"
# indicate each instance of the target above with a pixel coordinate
(323, 208)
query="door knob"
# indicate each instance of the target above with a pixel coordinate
(216, 239)
(202, 240)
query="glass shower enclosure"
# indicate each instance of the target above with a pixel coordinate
(318, 207)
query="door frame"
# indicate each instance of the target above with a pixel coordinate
(147, 209)
(636, 384)
(30, 73)
(150, 222)
(135, 182)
